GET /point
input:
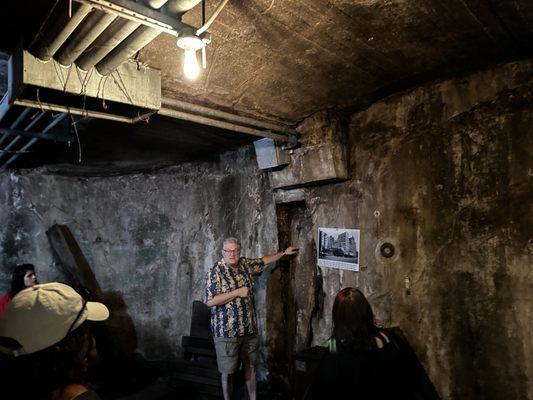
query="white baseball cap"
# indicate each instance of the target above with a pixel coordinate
(42, 315)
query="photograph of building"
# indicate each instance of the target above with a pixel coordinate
(338, 248)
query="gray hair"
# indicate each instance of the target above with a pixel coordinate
(231, 240)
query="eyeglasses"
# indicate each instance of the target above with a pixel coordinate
(77, 316)
(237, 251)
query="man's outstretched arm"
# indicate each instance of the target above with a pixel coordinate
(275, 257)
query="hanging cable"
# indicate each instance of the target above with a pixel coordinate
(206, 26)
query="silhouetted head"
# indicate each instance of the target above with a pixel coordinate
(23, 276)
(353, 320)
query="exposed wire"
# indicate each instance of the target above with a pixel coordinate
(73, 124)
(39, 100)
(101, 86)
(68, 77)
(59, 73)
(206, 26)
(84, 80)
(122, 86)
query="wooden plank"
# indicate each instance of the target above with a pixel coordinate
(72, 262)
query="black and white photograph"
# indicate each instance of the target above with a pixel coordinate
(338, 248)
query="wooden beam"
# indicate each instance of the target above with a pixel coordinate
(72, 262)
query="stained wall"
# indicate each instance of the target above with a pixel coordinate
(149, 237)
(443, 172)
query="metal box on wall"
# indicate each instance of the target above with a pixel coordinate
(269, 154)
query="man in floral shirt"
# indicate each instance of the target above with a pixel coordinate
(229, 293)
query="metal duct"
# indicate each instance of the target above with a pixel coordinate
(141, 37)
(178, 7)
(111, 38)
(84, 35)
(49, 47)
(133, 43)
(155, 4)
(119, 30)
(47, 86)
(109, 35)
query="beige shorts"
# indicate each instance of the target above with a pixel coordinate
(231, 351)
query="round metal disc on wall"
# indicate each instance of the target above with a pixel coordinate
(386, 251)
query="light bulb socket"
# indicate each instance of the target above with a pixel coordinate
(188, 40)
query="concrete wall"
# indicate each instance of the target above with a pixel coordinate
(150, 237)
(443, 172)
(449, 168)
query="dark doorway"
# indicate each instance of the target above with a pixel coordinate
(291, 295)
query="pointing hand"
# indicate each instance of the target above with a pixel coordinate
(289, 251)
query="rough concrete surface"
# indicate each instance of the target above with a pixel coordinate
(443, 172)
(288, 59)
(150, 238)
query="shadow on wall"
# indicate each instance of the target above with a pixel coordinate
(121, 370)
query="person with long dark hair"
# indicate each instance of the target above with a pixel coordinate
(24, 276)
(365, 361)
(46, 343)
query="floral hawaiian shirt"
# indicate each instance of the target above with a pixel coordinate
(237, 317)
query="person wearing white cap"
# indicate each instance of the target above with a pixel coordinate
(43, 329)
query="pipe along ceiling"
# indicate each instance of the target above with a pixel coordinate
(98, 35)
(91, 34)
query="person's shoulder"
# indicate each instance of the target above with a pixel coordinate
(215, 267)
(88, 395)
(76, 391)
(393, 341)
(395, 335)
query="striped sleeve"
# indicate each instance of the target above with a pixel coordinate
(212, 284)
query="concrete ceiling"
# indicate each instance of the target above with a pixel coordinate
(288, 59)
(284, 60)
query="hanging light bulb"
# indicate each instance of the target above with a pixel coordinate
(190, 43)
(191, 68)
